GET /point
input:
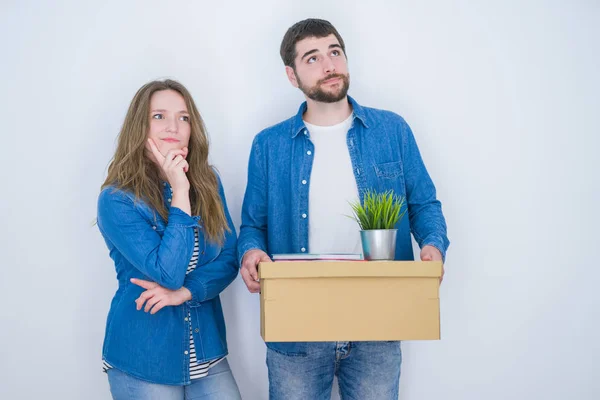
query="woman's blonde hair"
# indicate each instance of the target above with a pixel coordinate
(131, 169)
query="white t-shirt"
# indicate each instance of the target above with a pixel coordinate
(332, 187)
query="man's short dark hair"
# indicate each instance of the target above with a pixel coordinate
(311, 27)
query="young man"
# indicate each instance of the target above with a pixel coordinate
(338, 149)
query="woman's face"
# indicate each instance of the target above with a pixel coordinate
(169, 121)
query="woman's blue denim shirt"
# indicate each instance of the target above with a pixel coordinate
(142, 245)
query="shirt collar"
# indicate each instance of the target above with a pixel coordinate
(298, 123)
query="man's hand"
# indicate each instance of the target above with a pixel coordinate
(249, 269)
(430, 253)
(157, 297)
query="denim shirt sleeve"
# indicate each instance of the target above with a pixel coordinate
(209, 280)
(163, 259)
(427, 222)
(253, 231)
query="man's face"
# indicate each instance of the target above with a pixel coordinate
(321, 69)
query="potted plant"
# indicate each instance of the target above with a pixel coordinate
(377, 216)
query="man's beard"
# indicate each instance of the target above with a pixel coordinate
(316, 93)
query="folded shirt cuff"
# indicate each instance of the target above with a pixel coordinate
(178, 217)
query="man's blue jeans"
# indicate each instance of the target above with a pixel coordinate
(365, 370)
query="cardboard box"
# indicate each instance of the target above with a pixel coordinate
(349, 300)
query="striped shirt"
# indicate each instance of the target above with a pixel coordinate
(197, 370)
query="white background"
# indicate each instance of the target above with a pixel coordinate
(502, 97)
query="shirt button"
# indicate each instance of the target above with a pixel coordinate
(154, 227)
(303, 215)
(169, 200)
(309, 152)
(185, 319)
(197, 330)
(164, 183)
(303, 249)
(304, 181)
(185, 352)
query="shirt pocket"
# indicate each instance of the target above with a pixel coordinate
(389, 170)
(210, 253)
(390, 175)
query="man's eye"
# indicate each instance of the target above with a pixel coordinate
(311, 60)
(157, 116)
(335, 53)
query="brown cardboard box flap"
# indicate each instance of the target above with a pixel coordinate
(336, 269)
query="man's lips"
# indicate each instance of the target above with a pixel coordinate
(332, 80)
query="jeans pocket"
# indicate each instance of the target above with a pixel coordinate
(294, 349)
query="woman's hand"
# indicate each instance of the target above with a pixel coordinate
(173, 165)
(157, 297)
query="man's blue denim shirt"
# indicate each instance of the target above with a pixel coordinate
(155, 348)
(384, 156)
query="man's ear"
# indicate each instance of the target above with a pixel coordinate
(291, 76)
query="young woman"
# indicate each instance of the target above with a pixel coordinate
(163, 215)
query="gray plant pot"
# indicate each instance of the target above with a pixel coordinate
(379, 244)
